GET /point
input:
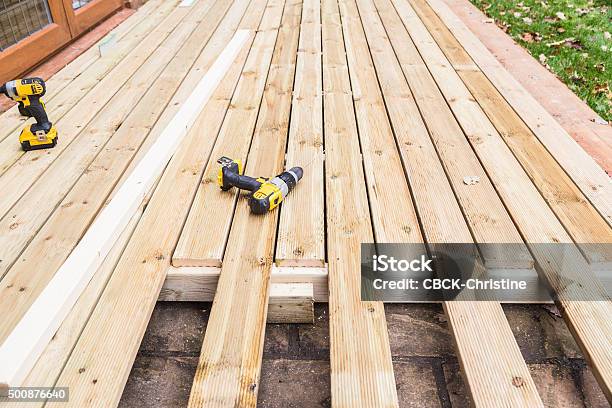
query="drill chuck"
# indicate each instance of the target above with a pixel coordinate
(272, 192)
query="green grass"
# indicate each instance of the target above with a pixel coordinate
(573, 38)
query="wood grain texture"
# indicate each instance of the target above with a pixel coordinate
(199, 284)
(233, 141)
(31, 166)
(58, 107)
(51, 362)
(584, 171)
(11, 119)
(361, 367)
(20, 350)
(485, 367)
(96, 149)
(138, 277)
(305, 246)
(445, 158)
(52, 304)
(583, 222)
(575, 288)
(392, 211)
(230, 360)
(291, 303)
(65, 227)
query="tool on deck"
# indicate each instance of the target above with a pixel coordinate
(266, 194)
(28, 92)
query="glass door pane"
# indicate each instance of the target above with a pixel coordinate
(77, 4)
(20, 18)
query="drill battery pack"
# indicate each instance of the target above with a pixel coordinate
(36, 139)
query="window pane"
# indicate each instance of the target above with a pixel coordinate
(20, 18)
(77, 4)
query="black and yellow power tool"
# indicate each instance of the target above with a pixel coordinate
(28, 93)
(266, 194)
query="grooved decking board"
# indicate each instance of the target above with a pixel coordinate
(32, 165)
(58, 107)
(108, 345)
(56, 239)
(392, 211)
(305, 246)
(486, 347)
(361, 367)
(11, 119)
(233, 141)
(230, 361)
(588, 176)
(583, 222)
(585, 304)
(51, 362)
(31, 211)
(448, 151)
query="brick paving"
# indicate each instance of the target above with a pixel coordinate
(295, 371)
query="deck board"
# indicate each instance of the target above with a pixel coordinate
(538, 224)
(582, 168)
(387, 104)
(580, 218)
(361, 366)
(228, 369)
(233, 141)
(487, 349)
(305, 246)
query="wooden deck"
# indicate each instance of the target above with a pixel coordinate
(388, 105)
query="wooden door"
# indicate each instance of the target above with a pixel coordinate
(32, 30)
(84, 14)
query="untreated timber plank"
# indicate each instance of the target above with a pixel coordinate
(52, 360)
(11, 119)
(233, 141)
(585, 304)
(229, 365)
(34, 207)
(109, 342)
(447, 156)
(588, 176)
(65, 227)
(66, 99)
(199, 284)
(487, 349)
(291, 303)
(583, 222)
(393, 215)
(361, 367)
(305, 246)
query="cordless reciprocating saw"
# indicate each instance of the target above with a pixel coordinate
(28, 93)
(266, 194)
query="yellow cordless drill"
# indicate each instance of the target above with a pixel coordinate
(28, 92)
(266, 194)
